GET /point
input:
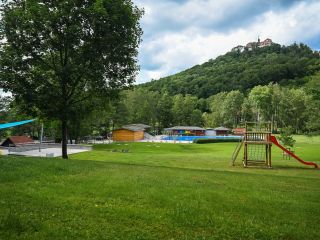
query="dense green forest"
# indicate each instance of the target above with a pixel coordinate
(277, 84)
(286, 65)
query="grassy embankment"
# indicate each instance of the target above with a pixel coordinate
(160, 191)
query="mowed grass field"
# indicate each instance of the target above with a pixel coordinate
(160, 191)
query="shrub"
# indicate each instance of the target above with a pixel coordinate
(286, 137)
(214, 140)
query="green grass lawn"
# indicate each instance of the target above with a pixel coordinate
(160, 191)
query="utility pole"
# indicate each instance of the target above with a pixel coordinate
(41, 137)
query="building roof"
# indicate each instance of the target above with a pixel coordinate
(222, 129)
(133, 129)
(250, 44)
(20, 139)
(16, 140)
(239, 129)
(137, 125)
(190, 128)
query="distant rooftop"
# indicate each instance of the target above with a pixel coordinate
(222, 129)
(190, 128)
(251, 45)
(136, 127)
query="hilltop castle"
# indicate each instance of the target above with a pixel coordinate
(252, 45)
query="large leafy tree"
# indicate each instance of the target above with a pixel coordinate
(141, 106)
(292, 109)
(56, 54)
(231, 108)
(183, 109)
(261, 98)
(313, 103)
(164, 113)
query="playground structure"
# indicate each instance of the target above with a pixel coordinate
(257, 141)
(256, 144)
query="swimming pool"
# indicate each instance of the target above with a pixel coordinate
(191, 138)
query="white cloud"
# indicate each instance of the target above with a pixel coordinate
(298, 24)
(174, 50)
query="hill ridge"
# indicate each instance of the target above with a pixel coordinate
(243, 70)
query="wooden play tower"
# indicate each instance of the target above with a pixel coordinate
(256, 144)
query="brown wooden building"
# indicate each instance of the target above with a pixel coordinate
(129, 133)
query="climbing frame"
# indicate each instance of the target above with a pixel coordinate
(257, 145)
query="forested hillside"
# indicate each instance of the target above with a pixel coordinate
(276, 84)
(288, 66)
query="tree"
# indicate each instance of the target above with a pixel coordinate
(4, 107)
(92, 116)
(196, 118)
(164, 113)
(56, 54)
(313, 103)
(178, 109)
(183, 110)
(231, 108)
(292, 109)
(141, 106)
(286, 137)
(119, 112)
(214, 118)
(246, 111)
(261, 98)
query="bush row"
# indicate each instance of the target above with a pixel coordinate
(211, 140)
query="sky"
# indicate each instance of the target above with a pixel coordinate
(179, 34)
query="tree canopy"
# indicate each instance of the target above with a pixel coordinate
(56, 54)
(286, 65)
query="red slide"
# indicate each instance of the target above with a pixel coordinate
(275, 142)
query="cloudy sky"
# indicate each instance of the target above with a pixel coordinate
(179, 34)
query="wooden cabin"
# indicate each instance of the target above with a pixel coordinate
(129, 133)
(15, 141)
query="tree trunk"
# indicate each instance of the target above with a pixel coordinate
(64, 129)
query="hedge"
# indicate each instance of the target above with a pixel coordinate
(214, 140)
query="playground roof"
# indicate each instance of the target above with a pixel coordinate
(14, 124)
